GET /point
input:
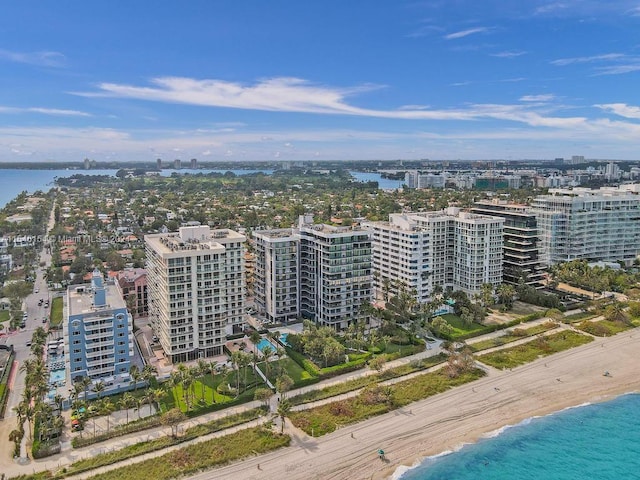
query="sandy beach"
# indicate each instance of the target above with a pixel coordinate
(462, 415)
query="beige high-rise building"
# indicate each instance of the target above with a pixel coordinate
(196, 288)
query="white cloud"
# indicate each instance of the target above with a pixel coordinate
(551, 8)
(621, 109)
(466, 33)
(538, 98)
(619, 69)
(44, 111)
(508, 54)
(44, 59)
(594, 58)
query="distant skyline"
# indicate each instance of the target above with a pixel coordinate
(294, 80)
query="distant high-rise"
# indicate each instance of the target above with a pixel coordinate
(177, 164)
(194, 163)
(196, 288)
(87, 164)
(594, 225)
(159, 163)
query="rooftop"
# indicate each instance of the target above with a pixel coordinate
(80, 299)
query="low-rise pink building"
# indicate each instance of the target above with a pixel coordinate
(133, 281)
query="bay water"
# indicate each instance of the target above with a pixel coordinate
(15, 181)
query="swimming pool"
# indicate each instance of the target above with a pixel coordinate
(283, 339)
(56, 376)
(265, 343)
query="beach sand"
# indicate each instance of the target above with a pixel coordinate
(461, 415)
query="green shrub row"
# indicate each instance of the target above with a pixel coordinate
(357, 383)
(4, 391)
(201, 456)
(304, 362)
(118, 431)
(495, 327)
(142, 448)
(372, 401)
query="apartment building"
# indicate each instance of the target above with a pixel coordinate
(133, 284)
(335, 272)
(521, 260)
(98, 332)
(450, 248)
(595, 225)
(196, 288)
(275, 284)
(320, 272)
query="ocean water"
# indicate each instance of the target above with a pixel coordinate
(594, 442)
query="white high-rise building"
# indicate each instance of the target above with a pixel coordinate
(450, 248)
(588, 224)
(276, 274)
(320, 272)
(196, 287)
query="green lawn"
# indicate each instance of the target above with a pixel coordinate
(460, 328)
(212, 399)
(56, 312)
(530, 351)
(288, 366)
(4, 315)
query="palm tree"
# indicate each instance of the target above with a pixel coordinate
(98, 389)
(148, 372)
(85, 383)
(283, 385)
(267, 352)
(126, 402)
(135, 374)
(203, 370)
(106, 408)
(255, 339)
(284, 407)
(236, 359)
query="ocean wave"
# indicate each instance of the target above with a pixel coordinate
(402, 469)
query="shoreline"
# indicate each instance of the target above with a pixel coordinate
(402, 469)
(465, 414)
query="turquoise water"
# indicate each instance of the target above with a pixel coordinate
(56, 376)
(600, 441)
(265, 343)
(283, 338)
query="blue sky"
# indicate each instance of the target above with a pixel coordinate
(332, 79)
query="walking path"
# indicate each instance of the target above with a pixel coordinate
(69, 455)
